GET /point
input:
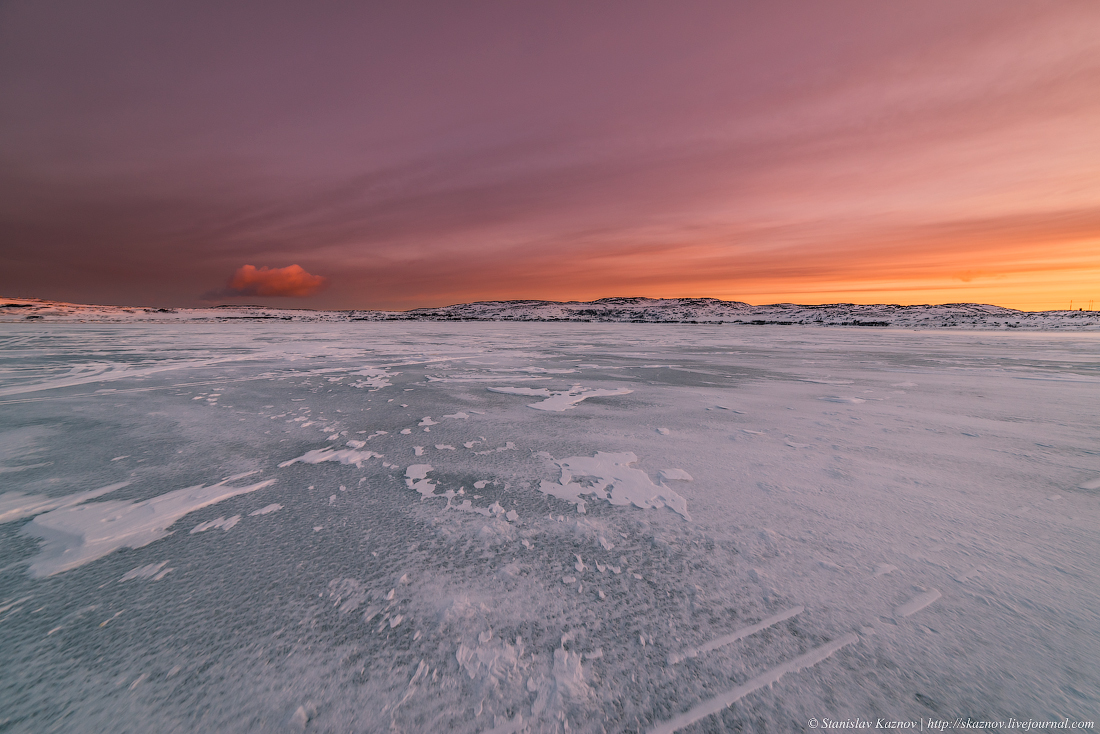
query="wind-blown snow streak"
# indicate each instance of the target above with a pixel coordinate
(16, 505)
(562, 399)
(110, 371)
(74, 536)
(716, 704)
(340, 456)
(917, 603)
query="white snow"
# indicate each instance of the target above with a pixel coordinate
(152, 571)
(562, 399)
(340, 456)
(373, 378)
(416, 477)
(74, 536)
(221, 522)
(614, 480)
(16, 505)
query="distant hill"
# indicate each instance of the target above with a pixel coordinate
(630, 310)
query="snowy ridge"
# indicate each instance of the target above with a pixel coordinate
(639, 310)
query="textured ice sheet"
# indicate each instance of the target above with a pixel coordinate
(924, 543)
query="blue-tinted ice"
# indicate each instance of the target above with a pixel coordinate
(536, 527)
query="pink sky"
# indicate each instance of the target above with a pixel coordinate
(420, 154)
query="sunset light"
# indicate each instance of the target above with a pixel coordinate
(430, 153)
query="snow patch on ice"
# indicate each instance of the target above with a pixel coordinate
(152, 571)
(610, 477)
(341, 456)
(16, 505)
(562, 399)
(373, 377)
(416, 477)
(221, 522)
(74, 536)
(266, 510)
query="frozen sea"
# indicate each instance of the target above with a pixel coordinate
(540, 527)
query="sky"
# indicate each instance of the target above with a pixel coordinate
(395, 155)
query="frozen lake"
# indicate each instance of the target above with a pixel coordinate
(474, 527)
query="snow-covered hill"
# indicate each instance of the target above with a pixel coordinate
(641, 310)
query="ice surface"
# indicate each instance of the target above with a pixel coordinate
(922, 544)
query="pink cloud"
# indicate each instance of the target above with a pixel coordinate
(292, 281)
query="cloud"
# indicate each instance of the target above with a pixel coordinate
(292, 281)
